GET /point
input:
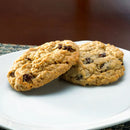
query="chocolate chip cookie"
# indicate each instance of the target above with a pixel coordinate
(99, 64)
(42, 64)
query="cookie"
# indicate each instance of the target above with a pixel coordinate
(42, 64)
(99, 64)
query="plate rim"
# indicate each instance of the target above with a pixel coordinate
(121, 117)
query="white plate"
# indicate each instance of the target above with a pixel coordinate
(61, 105)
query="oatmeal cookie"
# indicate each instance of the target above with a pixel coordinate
(99, 64)
(42, 64)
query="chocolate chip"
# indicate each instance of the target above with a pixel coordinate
(88, 61)
(12, 74)
(27, 77)
(78, 77)
(55, 62)
(59, 46)
(67, 62)
(102, 55)
(69, 48)
(102, 65)
(122, 63)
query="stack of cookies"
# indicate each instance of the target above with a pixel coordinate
(92, 63)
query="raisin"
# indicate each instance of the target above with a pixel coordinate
(120, 59)
(65, 48)
(68, 48)
(59, 46)
(104, 70)
(74, 66)
(102, 55)
(12, 74)
(78, 77)
(27, 77)
(55, 62)
(71, 49)
(102, 65)
(28, 59)
(67, 62)
(88, 61)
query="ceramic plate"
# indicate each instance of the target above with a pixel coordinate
(62, 105)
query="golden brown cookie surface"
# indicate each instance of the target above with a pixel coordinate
(99, 64)
(42, 64)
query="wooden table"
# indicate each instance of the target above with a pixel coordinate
(35, 22)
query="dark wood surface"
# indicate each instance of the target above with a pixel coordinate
(38, 21)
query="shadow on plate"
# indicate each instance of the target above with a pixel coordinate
(59, 85)
(54, 86)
